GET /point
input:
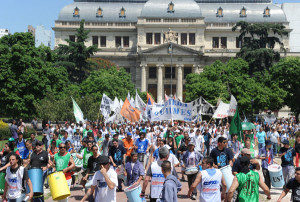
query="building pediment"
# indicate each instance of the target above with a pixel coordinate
(164, 49)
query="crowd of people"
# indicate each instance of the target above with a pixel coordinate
(106, 158)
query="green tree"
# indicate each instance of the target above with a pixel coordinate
(74, 55)
(287, 73)
(255, 41)
(113, 82)
(219, 80)
(27, 75)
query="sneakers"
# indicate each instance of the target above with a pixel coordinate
(193, 197)
(182, 179)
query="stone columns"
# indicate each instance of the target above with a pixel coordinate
(143, 77)
(159, 83)
(179, 82)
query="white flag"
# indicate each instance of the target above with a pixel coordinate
(232, 106)
(139, 103)
(121, 103)
(115, 105)
(77, 112)
(105, 106)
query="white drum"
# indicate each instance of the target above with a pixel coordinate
(191, 170)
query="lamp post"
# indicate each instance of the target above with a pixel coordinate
(171, 37)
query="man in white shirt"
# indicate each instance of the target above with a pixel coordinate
(274, 137)
(199, 142)
(106, 180)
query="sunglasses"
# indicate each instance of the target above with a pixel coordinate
(62, 147)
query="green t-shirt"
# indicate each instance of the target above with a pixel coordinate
(86, 156)
(61, 162)
(248, 186)
(178, 139)
(85, 131)
(171, 135)
(57, 142)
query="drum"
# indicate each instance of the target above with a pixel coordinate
(191, 170)
(78, 162)
(227, 173)
(276, 175)
(2, 182)
(133, 193)
(36, 177)
(59, 188)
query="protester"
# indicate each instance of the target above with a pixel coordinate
(105, 145)
(8, 151)
(266, 156)
(274, 137)
(209, 192)
(76, 139)
(117, 156)
(247, 182)
(64, 162)
(14, 130)
(156, 176)
(15, 175)
(235, 145)
(222, 156)
(33, 140)
(254, 164)
(297, 148)
(21, 145)
(28, 151)
(46, 135)
(128, 145)
(34, 124)
(207, 141)
(105, 180)
(284, 136)
(261, 138)
(182, 149)
(294, 185)
(134, 170)
(171, 184)
(142, 146)
(192, 159)
(287, 155)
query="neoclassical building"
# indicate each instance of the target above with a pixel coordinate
(161, 41)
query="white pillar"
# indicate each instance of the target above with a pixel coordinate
(159, 83)
(143, 77)
(179, 82)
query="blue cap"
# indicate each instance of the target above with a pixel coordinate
(285, 141)
(129, 134)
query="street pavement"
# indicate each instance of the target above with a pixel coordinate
(77, 193)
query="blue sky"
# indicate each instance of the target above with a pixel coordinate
(16, 15)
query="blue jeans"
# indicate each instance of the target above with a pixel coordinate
(274, 145)
(260, 145)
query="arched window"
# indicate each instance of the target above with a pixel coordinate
(219, 12)
(122, 13)
(267, 12)
(76, 12)
(243, 12)
(99, 13)
(171, 7)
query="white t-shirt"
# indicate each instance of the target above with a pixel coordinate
(191, 159)
(172, 158)
(104, 193)
(199, 143)
(274, 137)
(14, 181)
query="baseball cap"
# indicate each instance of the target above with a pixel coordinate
(38, 143)
(283, 129)
(191, 143)
(246, 151)
(268, 142)
(103, 160)
(129, 134)
(285, 141)
(11, 139)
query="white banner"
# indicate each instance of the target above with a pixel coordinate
(270, 119)
(222, 111)
(115, 106)
(202, 107)
(140, 105)
(105, 106)
(175, 110)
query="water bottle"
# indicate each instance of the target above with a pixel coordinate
(25, 199)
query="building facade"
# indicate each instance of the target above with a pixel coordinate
(161, 41)
(42, 36)
(4, 32)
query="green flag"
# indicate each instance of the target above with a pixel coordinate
(77, 112)
(236, 126)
